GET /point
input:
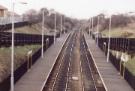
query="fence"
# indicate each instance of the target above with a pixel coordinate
(18, 73)
(21, 39)
(127, 74)
(119, 44)
(8, 26)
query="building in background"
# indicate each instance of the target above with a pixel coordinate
(3, 11)
(5, 16)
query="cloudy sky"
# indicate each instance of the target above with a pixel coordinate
(75, 8)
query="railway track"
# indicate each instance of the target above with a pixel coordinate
(72, 71)
(91, 75)
(87, 74)
(58, 70)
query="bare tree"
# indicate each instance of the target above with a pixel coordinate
(32, 16)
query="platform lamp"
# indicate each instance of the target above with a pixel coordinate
(97, 37)
(43, 28)
(109, 36)
(92, 23)
(64, 29)
(55, 21)
(43, 22)
(61, 25)
(12, 45)
(89, 26)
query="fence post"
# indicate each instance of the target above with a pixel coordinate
(47, 43)
(29, 59)
(123, 70)
(120, 66)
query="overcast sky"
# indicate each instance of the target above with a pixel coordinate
(76, 8)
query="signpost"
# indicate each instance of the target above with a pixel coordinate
(124, 59)
(29, 59)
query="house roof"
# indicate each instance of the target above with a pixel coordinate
(2, 7)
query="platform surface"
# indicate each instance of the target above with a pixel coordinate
(111, 78)
(34, 79)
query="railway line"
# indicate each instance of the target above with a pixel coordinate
(72, 70)
(90, 71)
(89, 82)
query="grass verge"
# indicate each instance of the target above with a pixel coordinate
(20, 56)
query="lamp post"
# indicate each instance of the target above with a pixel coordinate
(89, 26)
(92, 23)
(61, 25)
(64, 24)
(12, 50)
(97, 30)
(109, 40)
(55, 21)
(92, 26)
(43, 22)
(12, 46)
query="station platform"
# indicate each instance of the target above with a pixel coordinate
(110, 77)
(36, 77)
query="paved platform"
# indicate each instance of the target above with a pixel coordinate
(35, 78)
(111, 78)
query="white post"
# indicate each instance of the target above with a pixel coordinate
(55, 29)
(92, 24)
(97, 30)
(89, 25)
(109, 39)
(61, 25)
(12, 50)
(43, 16)
(12, 47)
(64, 24)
